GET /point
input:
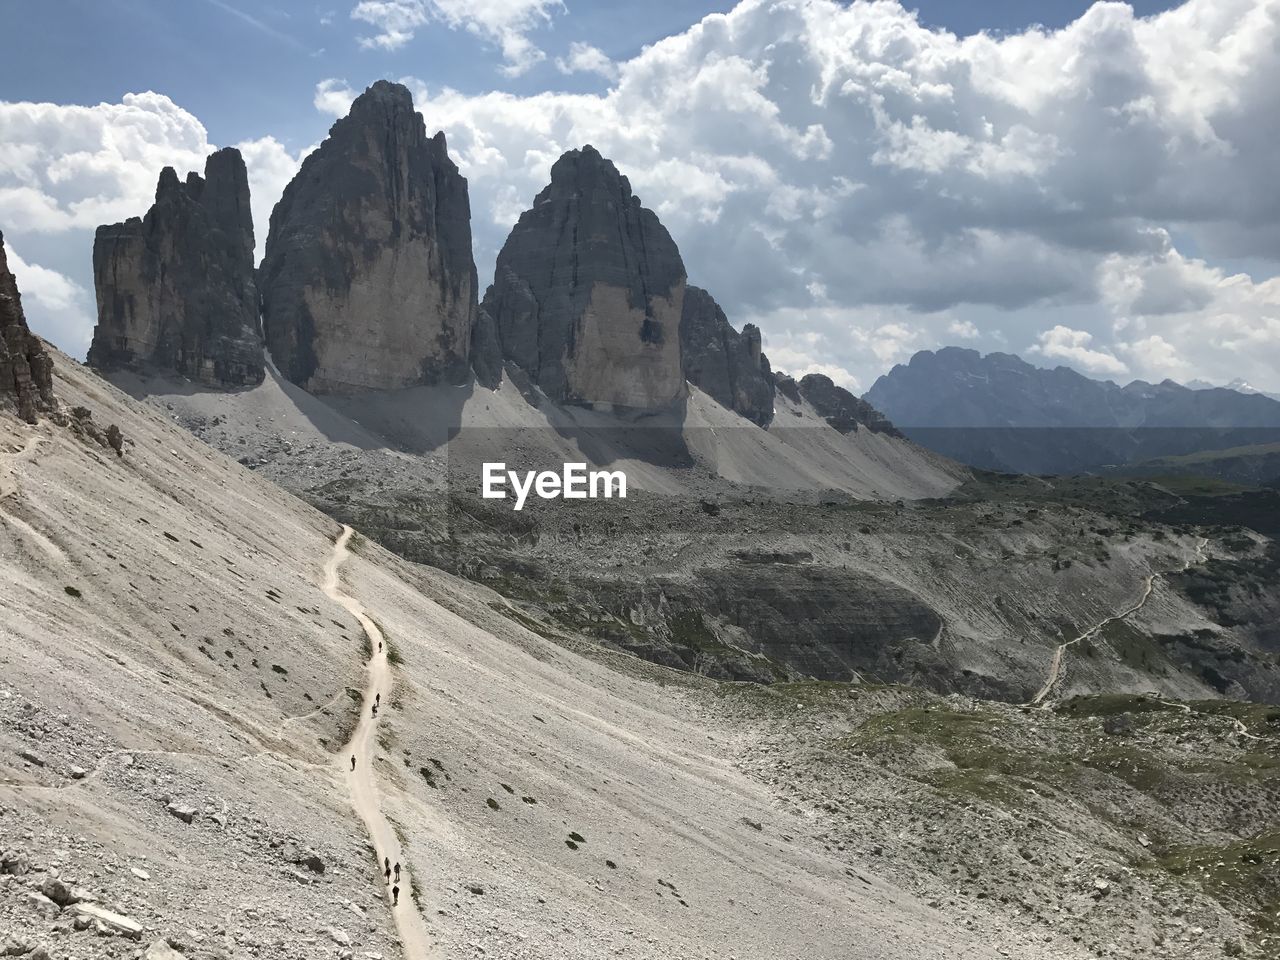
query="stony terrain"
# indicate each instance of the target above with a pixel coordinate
(809, 690)
(176, 289)
(176, 684)
(745, 560)
(1112, 826)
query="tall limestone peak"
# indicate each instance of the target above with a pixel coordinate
(588, 293)
(368, 281)
(176, 289)
(26, 369)
(725, 364)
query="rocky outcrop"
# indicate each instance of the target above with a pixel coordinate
(589, 290)
(176, 289)
(26, 369)
(842, 409)
(368, 281)
(486, 350)
(723, 363)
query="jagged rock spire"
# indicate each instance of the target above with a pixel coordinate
(175, 289)
(368, 280)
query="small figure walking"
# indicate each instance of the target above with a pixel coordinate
(379, 646)
(386, 863)
(395, 896)
(353, 761)
(397, 873)
(377, 699)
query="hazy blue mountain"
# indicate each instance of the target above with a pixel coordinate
(999, 412)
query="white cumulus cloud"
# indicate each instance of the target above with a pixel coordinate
(842, 171)
(585, 58)
(504, 23)
(1073, 347)
(56, 307)
(813, 153)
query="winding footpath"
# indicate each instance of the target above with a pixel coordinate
(1059, 655)
(414, 940)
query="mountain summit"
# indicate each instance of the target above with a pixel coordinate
(176, 289)
(368, 281)
(588, 291)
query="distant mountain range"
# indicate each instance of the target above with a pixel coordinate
(1239, 384)
(999, 412)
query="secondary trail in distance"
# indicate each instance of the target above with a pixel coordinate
(1055, 665)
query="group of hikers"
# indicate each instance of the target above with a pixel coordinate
(388, 869)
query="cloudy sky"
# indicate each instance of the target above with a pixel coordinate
(1090, 185)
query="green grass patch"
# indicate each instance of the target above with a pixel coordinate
(1245, 872)
(1111, 705)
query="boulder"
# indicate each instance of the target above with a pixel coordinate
(114, 922)
(588, 292)
(15, 862)
(182, 812)
(176, 289)
(160, 950)
(42, 906)
(33, 758)
(368, 281)
(59, 892)
(26, 369)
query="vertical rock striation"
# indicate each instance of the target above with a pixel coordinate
(176, 289)
(26, 369)
(723, 363)
(588, 292)
(368, 281)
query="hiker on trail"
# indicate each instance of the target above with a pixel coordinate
(353, 761)
(379, 646)
(397, 873)
(377, 698)
(386, 863)
(395, 896)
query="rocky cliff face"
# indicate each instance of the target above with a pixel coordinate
(176, 289)
(842, 409)
(589, 290)
(368, 280)
(720, 361)
(26, 369)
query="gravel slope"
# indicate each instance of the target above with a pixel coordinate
(175, 685)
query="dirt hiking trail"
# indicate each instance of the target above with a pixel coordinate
(1149, 584)
(414, 939)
